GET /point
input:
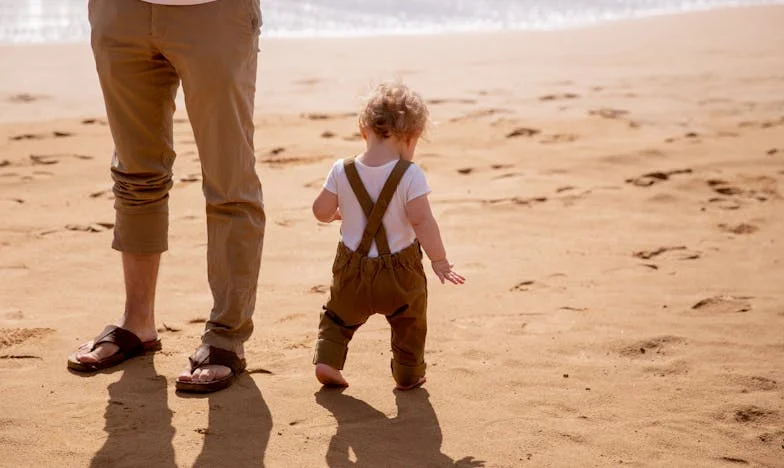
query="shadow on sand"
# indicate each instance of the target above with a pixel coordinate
(239, 427)
(412, 438)
(140, 431)
(138, 419)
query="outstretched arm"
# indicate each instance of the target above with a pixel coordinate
(325, 207)
(426, 228)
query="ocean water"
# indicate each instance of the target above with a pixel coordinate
(36, 21)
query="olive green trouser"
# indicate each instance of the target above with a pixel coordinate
(142, 53)
(391, 285)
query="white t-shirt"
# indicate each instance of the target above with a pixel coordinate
(179, 2)
(400, 233)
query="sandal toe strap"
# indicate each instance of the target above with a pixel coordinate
(206, 355)
(127, 341)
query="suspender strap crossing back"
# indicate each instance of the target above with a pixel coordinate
(374, 212)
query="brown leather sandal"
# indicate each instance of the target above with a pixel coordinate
(206, 355)
(130, 346)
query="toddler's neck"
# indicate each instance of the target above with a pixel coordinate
(378, 155)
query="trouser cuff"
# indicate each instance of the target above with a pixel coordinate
(330, 353)
(407, 375)
(141, 233)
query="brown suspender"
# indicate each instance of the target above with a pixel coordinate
(374, 212)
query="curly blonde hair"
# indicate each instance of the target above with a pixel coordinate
(394, 110)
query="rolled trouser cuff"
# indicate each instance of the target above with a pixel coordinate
(407, 375)
(330, 353)
(214, 339)
(141, 233)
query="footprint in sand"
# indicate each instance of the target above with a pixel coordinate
(95, 227)
(657, 346)
(751, 414)
(327, 134)
(676, 367)
(523, 132)
(314, 184)
(762, 123)
(559, 138)
(292, 161)
(772, 437)
(494, 167)
(40, 136)
(190, 178)
(93, 122)
(753, 383)
(450, 101)
(319, 289)
(692, 137)
(168, 329)
(742, 228)
(608, 113)
(49, 159)
(480, 114)
(723, 305)
(522, 286)
(105, 193)
(15, 336)
(747, 188)
(320, 116)
(23, 98)
(651, 178)
(516, 201)
(724, 203)
(14, 201)
(737, 460)
(13, 314)
(284, 222)
(559, 97)
(683, 253)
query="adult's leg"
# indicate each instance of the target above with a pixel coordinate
(139, 86)
(214, 47)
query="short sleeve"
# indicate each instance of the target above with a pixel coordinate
(331, 184)
(417, 185)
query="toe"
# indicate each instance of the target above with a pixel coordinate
(186, 375)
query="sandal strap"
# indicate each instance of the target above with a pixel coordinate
(206, 354)
(126, 340)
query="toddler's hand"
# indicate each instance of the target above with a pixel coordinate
(443, 270)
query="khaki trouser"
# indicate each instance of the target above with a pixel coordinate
(142, 53)
(393, 285)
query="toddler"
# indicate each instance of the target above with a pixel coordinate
(381, 199)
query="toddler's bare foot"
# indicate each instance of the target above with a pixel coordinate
(328, 375)
(412, 386)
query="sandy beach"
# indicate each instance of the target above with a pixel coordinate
(613, 195)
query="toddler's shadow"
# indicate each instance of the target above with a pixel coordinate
(412, 438)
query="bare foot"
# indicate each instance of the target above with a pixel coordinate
(205, 374)
(330, 376)
(145, 332)
(412, 386)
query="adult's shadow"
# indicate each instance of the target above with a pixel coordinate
(138, 419)
(412, 438)
(239, 427)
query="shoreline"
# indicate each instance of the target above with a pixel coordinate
(347, 66)
(425, 32)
